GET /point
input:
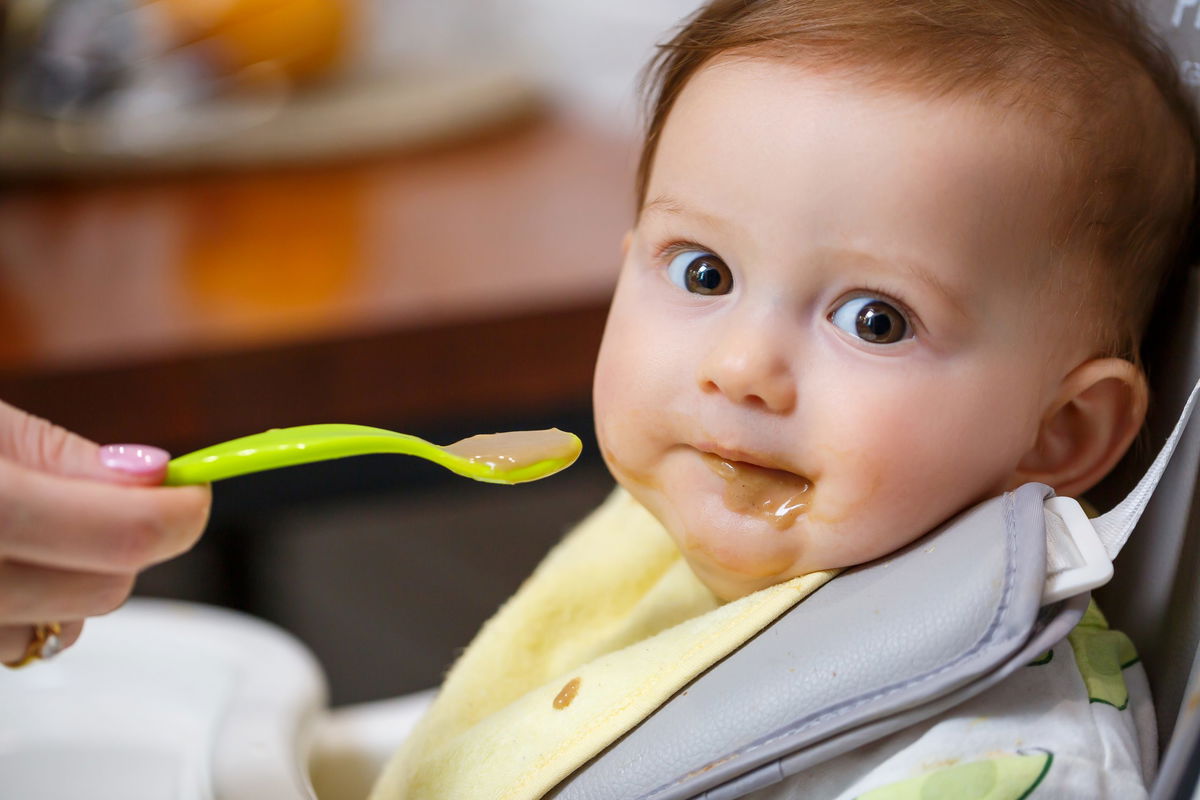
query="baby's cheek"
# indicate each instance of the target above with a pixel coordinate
(635, 435)
(935, 472)
(899, 480)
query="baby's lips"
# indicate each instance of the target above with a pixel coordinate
(747, 457)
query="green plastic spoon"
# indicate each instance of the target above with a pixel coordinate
(513, 457)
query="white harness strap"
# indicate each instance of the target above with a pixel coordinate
(1079, 552)
(1114, 527)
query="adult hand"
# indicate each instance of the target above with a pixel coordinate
(77, 523)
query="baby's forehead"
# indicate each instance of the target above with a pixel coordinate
(737, 98)
(757, 143)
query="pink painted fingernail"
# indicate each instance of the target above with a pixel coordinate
(134, 459)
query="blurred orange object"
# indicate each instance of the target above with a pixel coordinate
(273, 250)
(302, 39)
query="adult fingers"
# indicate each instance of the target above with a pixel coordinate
(41, 445)
(30, 593)
(87, 526)
(14, 639)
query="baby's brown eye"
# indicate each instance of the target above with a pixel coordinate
(872, 320)
(700, 273)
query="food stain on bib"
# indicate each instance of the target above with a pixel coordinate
(567, 694)
(516, 449)
(776, 495)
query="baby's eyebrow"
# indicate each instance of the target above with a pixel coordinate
(664, 203)
(669, 205)
(914, 269)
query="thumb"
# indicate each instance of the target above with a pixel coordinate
(41, 445)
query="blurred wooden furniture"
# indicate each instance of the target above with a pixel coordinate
(416, 288)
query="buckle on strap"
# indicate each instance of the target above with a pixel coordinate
(1076, 560)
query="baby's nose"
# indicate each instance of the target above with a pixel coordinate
(750, 369)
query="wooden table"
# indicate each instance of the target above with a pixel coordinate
(410, 289)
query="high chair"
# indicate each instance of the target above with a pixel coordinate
(172, 700)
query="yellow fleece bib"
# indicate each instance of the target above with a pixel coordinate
(610, 625)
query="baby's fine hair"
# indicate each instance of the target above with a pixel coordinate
(1088, 71)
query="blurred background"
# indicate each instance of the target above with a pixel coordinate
(220, 216)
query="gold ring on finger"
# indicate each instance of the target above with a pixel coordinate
(45, 643)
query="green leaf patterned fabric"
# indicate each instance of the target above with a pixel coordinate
(1101, 655)
(1009, 777)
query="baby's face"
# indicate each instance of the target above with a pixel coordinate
(827, 337)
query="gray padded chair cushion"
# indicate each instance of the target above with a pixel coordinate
(875, 650)
(1155, 594)
(1155, 597)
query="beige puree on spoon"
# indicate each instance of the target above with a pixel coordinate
(514, 449)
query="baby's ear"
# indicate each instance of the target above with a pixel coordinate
(1095, 416)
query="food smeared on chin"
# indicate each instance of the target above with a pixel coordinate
(775, 495)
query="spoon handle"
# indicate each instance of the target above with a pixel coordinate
(304, 444)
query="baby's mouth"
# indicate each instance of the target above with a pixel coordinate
(776, 495)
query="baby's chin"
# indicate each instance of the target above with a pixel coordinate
(728, 584)
(733, 553)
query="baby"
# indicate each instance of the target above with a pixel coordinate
(890, 260)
